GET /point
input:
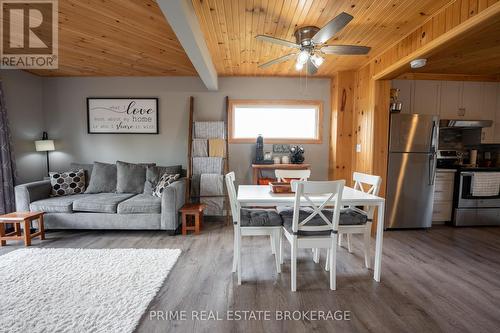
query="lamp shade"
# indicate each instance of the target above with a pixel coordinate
(44, 145)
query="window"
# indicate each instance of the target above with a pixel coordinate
(287, 121)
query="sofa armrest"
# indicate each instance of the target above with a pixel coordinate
(29, 192)
(172, 199)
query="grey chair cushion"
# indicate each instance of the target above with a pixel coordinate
(100, 202)
(140, 204)
(350, 216)
(103, 178)
(130, 177)
(260, 218)
(56, 204)
(154, 173)
(87, 168)
(286, 214)
(347, 217)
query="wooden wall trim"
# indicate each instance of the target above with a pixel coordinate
(447, 24)
(449, 77)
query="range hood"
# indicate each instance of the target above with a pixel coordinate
(459, 123)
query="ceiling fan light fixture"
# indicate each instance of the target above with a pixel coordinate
(303, 57)
(317, 60)
(299, 66)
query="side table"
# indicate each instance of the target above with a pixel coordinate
(195, 211)
(25, 218)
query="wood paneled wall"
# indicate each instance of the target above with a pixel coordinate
(341, 138)
(360, 118)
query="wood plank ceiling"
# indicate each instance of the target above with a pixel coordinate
(230, 26)
(117, 38)
(474, 53)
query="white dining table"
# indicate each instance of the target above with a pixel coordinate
(261, 196)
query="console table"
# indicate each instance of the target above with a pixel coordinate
(258, 167)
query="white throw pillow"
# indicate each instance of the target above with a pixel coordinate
(164, 182)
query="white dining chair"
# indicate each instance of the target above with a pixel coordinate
(308, 225)
(359, 221)
(282, 175)
(252, 222)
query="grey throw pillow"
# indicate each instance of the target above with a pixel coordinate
(154, 173)
(103, 178)
(130, 178)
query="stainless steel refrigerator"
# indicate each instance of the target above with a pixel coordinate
(413, 139)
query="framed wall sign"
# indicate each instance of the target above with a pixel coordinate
(122, 115)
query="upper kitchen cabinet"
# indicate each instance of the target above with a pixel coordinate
(472, 101)
(405, 93)
(426, 97)
(451, 100)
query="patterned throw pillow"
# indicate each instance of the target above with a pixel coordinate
(67, 183)
(164, 182)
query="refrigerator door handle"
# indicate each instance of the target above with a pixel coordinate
(432, 168)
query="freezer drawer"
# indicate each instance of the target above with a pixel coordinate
(410, 191)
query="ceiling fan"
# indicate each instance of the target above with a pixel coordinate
(310, 45)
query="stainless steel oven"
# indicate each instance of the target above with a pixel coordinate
(472, 210)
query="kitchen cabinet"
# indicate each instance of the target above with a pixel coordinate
(472, 101)
(443, 196)
(426, 97)
(405, 93)
(450, 99)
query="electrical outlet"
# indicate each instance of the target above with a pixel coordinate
(358, 148)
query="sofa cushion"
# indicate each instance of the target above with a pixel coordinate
(87, 168)
(259, 218)
(103, 178)
(164, 182)
(56, 204)
(130, 177)
(100, 202)
(140, 204)
(67, 183)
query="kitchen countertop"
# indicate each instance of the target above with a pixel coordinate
(472, 169)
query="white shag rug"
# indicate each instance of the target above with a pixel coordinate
(79, 290)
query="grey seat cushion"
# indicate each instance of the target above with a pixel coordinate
(130, 177)
(140, 204)
(347, 217)
(350, 216)
(260, 218)
(62, 204)
(100, 202)
(103, 178)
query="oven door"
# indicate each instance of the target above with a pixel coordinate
(467, 200)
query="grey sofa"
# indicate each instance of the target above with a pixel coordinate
(104, 210)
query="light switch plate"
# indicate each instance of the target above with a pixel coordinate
(358, 148)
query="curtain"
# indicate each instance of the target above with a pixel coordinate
(7, 165)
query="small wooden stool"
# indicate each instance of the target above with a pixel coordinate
(17, 218)
(194, 210)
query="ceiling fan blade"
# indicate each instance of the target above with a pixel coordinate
(345, 49)
(278, 60)
(273, 40)
(331, 28)
(310, 68)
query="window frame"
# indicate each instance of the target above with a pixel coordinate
(285, 102)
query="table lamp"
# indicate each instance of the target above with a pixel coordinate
(45, 145)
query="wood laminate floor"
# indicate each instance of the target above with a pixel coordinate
(442, 280)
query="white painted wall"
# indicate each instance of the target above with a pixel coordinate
(64, 105)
